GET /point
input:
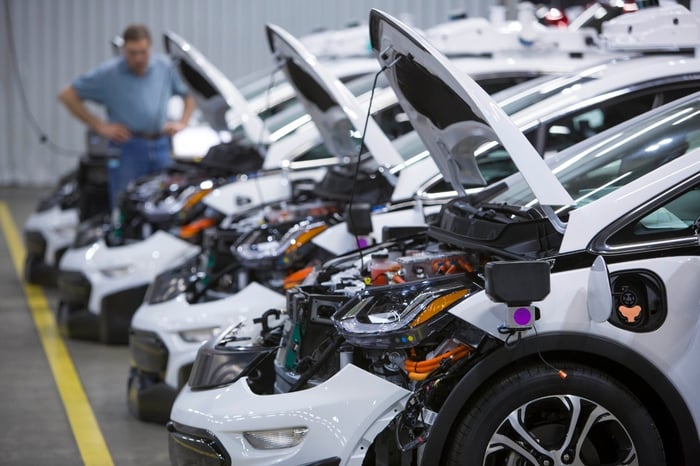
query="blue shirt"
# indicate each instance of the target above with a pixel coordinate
(138, 102)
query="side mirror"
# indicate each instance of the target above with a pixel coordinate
(599, 297)
(518, 284)
(696, 226)
(359, 219)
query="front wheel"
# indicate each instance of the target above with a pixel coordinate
(533, 417)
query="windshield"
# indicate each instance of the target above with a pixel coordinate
(604, 163)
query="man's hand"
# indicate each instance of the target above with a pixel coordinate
(172, 127)
(114, 132)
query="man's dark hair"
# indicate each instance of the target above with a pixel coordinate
(136, 32)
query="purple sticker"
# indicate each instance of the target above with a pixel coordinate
(522, 316)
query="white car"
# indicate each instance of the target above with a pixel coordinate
(571, 339)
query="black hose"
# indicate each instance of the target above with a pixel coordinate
(336, 341)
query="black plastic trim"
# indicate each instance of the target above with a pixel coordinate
(34, 242)
(75, 321)
(149, 399)
(333, 461)
(203, 437)
(74, 288)
(117, 309)
(503, 358)
(148, 352)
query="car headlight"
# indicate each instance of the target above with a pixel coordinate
(89, 233)
(199, 335)
(65, 195)
(229, 356)
(400, 316)
(276, 439)
(64, 230)
(278, 244)
(117, 271)
(171, 283)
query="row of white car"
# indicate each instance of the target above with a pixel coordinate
(167, 330)
(460, 368)
(427, 348)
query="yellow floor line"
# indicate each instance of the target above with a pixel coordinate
(86, 431)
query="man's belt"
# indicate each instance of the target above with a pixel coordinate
(137, 134)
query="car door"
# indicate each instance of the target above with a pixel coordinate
(654, 259)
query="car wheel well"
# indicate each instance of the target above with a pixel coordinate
(649, 397)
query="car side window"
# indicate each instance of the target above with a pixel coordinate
(675, 219)
(575, 127)
(584, 123)
(393, 121)
(317, 152)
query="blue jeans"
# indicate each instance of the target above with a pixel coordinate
(136, 157)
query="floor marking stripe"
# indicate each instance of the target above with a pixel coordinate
(86, 431)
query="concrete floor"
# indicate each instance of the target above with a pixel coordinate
(35, 427)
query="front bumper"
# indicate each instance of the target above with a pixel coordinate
(113, 281)
(343, 415)
(170, 319)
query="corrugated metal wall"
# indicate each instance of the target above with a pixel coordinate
(55, 40)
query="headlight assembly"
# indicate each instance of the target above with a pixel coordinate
(229, 356)
(400, 316)
(172, 282)
(199, 335)
(89, 233)
(276, 245)
(118, 271)
(275, 439)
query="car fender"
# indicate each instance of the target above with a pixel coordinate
(585, 348)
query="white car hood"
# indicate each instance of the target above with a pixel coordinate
(352, 41)
(215, 94)
(456, 116)
(333, 108)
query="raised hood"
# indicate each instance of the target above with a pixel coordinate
(339, 116)
(216, 95)
(452, 114)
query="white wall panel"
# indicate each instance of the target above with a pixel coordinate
(58, 39)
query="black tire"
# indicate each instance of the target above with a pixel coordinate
(624, 425)
(37, 272)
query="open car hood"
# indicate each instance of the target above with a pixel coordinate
(339, 116)
(215, 94)
(453, 115)
(352, 41)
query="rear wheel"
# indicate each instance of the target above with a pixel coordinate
(533, 417)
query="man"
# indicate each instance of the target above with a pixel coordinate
(134, 89)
